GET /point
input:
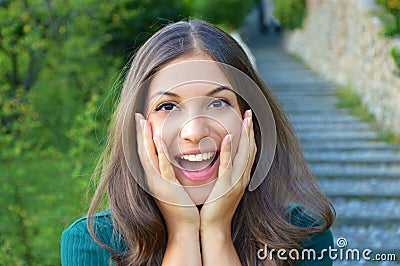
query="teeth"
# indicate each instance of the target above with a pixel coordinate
(198, 157)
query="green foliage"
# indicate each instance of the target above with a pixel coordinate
(290, 13)
(230, 13)
(349, 99)
(22, 47)
(40, 197)
(390, 16)
(22, 34)
(390, 137)
(57, 62)
(131, 23)
(17, 119)
(57, 55)
(396, 56)
(86, 129)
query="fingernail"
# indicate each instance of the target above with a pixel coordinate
(142, 123)
(248, 121)
(230, 137)
(249, 113)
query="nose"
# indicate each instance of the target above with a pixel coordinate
(195, 129)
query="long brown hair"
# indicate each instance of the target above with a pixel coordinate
(262, 215)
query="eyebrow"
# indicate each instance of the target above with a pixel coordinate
(165, 93)
(218, 89)
(210, 93)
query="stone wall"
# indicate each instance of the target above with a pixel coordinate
(342, 40)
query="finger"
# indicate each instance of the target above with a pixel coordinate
(225, 159)
(146, 150)
(242, 156)
(165, 167)
(253, 145)
(140, 136)
(252, 151)
(148, 144)
(148, 140)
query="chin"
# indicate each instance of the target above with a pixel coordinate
(200, 193)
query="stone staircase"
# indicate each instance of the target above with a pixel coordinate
(357, 170)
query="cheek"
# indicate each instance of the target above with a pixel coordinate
(167, 131)
(232, 124)
(236, 131)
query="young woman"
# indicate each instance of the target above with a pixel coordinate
(201, 167)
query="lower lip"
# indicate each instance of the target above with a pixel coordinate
(201, 175)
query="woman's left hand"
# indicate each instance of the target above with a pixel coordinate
(217, 213)
(234, 176)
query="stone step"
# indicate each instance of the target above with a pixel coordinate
(382, 156)
(294, 108)
(297, 103)
(302, 94)
(323, 103)
(310, 118)
(276, 76)
(310, 127)
(382, 239)
(360, 221)
(289, 81)
(357, 145)
(309, 102)
(326, 114)
(364, 188)
(300, 109)
(367, 211)
(324, 136)
(360, 171)
(267, 56)
(319, 86)
(356, 171)
(291, 65)
(339, 132)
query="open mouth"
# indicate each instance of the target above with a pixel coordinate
(198, 167)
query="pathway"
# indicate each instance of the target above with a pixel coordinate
(359, 172)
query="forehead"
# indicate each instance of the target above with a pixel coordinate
(198, 71)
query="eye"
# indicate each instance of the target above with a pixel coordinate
(167, 107)
(218, 103)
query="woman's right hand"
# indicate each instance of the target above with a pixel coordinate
(179, 212)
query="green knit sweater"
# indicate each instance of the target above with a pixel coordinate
(79, 248)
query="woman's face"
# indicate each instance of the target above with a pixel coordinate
(192, 116)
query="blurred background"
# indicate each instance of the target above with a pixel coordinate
(60, 77)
